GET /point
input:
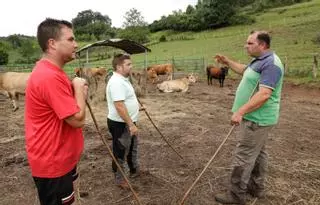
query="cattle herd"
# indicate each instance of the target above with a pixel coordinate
(13, 84)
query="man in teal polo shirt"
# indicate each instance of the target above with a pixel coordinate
(256, 110)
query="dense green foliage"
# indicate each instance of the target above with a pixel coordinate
(4, 57)
(20, 49)
(208, 14)
(135, 28)
(205, 15)
(90, 26)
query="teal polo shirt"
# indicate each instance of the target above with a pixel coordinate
(264, 71)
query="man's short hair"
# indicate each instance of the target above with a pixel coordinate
(119, 59)
(50, 29)
(263, 36)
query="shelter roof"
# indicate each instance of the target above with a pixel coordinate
(130, 47)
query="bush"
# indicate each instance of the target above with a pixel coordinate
(30, 60)
(163, 38)
(4, 57)
(135, 33)
(316, 39)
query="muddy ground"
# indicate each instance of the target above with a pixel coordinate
(195, 123)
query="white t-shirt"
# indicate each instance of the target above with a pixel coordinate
(119, 88)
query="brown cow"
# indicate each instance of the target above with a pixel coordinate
(90, 72)
(161, 69)
(93, 76)
(178, 85)
(217, 73)
(13, 84)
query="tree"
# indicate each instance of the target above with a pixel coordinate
(28, 50)
(87, 17)
(135, 28)
(133, 18)
(190, 9)
(138, 34)
(88, 23)
(4, 57)
(215, 13)
(14, 40)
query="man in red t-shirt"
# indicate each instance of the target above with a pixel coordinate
(54, 115)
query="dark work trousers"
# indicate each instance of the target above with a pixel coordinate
(124, 147)
(250, 161)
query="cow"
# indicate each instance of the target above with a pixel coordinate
(178, 85)
(217, 73)
(162, 69)
(137, 76)
(93, 76)
(90, 72)
(12, 84)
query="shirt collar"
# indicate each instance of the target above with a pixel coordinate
(49, 65)
(120, 76)
(265, 55)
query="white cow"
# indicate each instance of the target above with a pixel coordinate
(178, 85)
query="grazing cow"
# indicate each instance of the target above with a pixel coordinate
(178, 85)
(162, 69)
(13, 84)
(217, 73)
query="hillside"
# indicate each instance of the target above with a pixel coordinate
(294, 29)
(296, 39)
(295, 32)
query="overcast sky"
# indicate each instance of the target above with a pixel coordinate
(23, 16)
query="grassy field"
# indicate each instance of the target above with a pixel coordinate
(294, 30)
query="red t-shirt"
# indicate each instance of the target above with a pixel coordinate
(53, 146)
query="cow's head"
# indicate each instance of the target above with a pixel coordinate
(191, 78)
(102, 71)
(224, 70)
(152, 73)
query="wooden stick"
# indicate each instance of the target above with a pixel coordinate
(254, 201)
(160, 132)
(194, 183)
(111, 154)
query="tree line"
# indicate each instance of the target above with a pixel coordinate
(90, 25)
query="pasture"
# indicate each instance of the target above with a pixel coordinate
(195, 123)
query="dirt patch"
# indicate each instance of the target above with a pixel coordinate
(195, 123)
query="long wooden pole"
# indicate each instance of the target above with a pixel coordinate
(160, 132)
(205, 168)
(111, 154)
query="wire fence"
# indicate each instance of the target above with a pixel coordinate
(294, 67)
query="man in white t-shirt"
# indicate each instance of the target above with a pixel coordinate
(123, 113)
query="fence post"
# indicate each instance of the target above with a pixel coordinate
(173, 67)
(315, 66)
(204, 65)
(285, 65)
